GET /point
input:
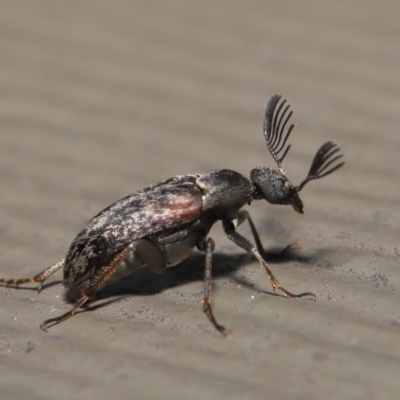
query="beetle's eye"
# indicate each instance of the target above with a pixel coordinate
(281, 190)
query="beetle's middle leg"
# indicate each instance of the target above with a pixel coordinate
(208, 247)
(257, 250)
(89, 294)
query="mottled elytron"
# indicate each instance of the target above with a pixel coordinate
(159, 226)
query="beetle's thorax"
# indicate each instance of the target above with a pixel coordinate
(225, 193)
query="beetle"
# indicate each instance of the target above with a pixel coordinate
(160, 226)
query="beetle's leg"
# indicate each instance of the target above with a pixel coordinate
(244, 215)
(89, 294)
(241, 241)
(208, 247)
(286, 249)
(41, 277)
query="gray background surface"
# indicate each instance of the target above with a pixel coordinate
(100, 98)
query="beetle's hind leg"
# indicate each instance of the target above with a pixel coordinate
(257, 251)
(40, 278)
(208, 248)
(96, 283)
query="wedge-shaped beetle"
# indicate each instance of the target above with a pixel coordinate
(159, 226)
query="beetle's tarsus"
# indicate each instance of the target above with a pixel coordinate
(289, 247)
(277, 286)
(57, 320)
(41, 277)
(293, 296)
(16, 282)
(210, 315)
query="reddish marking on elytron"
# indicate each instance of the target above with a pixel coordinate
(181, 208)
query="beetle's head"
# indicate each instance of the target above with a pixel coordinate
(272, 184)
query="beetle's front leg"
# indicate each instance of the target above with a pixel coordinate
(208, 247)
(244, 215)
(241, 241)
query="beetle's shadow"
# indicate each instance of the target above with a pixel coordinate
(145, 283)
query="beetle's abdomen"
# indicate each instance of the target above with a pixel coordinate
(169, 205)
